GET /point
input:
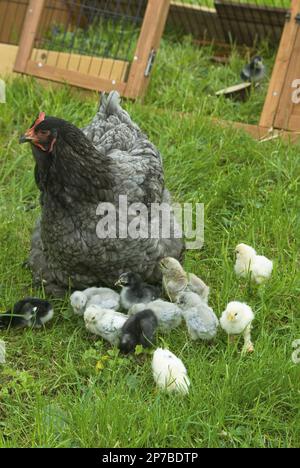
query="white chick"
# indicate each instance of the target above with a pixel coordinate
(247, 261)
(169, 315)
(202, 323)
(106, 323)
(169, 372)
(176, 280)
(236, 319)
(104, 297)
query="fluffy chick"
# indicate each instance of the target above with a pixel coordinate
(247, 261)
(106, 323)
(168, 314)
(174, 277)
(202, 323)
(29, 312)
(104, 297)
(169, 372)
(78, 302)
(197, 285)
(140, 329)
(176, 280)
(236, 319)
(135, 291)
(254, 71)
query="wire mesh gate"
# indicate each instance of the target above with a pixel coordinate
(230, 21)
(98, 44)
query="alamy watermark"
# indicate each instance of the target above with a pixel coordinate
(156, 221)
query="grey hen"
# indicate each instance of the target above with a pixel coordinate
(75, 172)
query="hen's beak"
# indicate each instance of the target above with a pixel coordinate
(230, 317)
(28, 136)
(118, 283)
(23, 139)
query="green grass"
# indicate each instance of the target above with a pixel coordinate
(187, 80)
(50, 392)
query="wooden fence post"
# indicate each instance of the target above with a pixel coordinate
(31, 23)
(280, 69)
(149, 39)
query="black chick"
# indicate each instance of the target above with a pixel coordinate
(135, 291)
(138, 329)
(254, 71)
(29, 312)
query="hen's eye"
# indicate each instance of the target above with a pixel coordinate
(44, 132)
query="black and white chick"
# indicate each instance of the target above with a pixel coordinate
(135, 291)
(254, 71)
(29, 312)
(139, 329)
(168, 314)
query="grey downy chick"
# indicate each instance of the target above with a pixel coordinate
(139, 329)
(135, 291)
(254, 71)
(104, 297)
(168, 314)
(106, 323)
(202, 323)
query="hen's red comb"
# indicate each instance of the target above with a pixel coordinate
(40, 119)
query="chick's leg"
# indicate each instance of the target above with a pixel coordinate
(248, 345)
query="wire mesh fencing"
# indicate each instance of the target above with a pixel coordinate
(95, 44)
(96, 38)
(99, 28)
(226, 21)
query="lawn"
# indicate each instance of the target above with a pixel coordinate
(51, 393)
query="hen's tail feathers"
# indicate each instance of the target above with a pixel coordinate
(110, 104)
